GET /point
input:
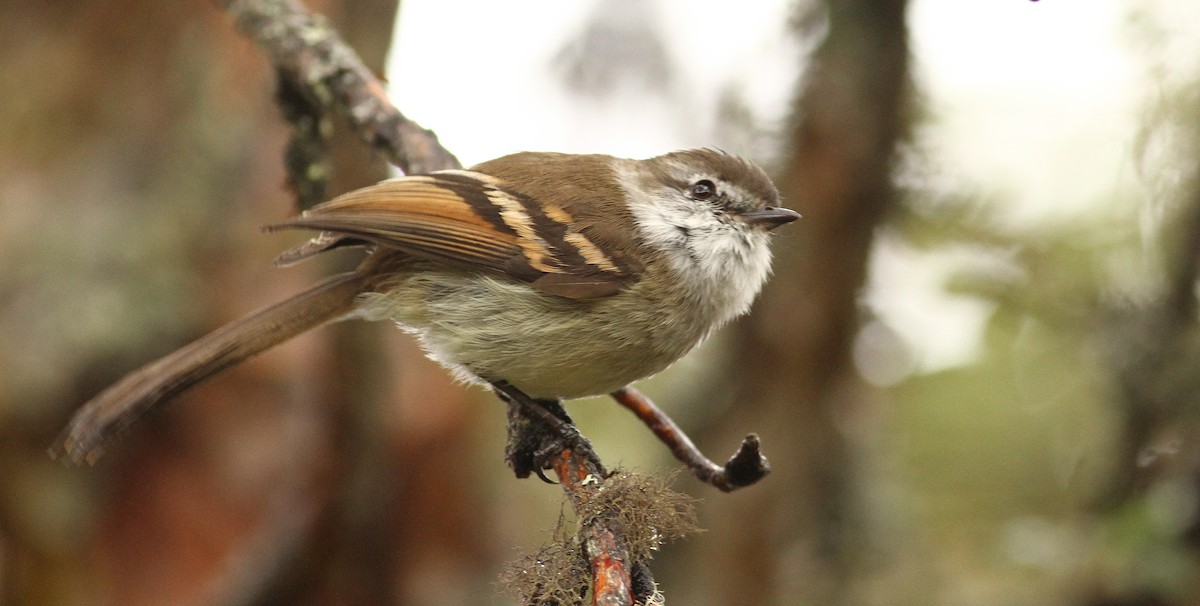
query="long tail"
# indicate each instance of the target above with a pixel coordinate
(117, 407)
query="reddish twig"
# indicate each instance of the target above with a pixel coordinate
(602, 546)
(745, 467)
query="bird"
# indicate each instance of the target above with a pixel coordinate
(545, 275)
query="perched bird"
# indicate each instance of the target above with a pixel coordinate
(555, 276)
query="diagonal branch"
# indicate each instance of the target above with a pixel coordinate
(308, 53)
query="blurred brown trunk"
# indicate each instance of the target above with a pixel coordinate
(134, 118)
(794, 538)
(313, 537)
(291, 479)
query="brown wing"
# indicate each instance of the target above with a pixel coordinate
(467, 220)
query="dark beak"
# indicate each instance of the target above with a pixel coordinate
(770, 217)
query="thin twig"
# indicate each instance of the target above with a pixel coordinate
(745, 467)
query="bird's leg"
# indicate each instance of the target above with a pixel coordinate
(538, 431)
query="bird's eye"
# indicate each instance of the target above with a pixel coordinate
(703, 190)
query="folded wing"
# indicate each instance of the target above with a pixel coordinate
(466, 220)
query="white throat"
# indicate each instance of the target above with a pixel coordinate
(719, 261)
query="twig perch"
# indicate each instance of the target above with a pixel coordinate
(603, 545)
(541, 436)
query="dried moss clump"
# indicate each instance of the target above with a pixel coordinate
(643, 511)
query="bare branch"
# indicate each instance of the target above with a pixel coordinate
(319, 65)
(747, 465)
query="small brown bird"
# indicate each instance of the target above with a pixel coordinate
(554, 275)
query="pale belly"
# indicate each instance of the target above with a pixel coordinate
(546, 346)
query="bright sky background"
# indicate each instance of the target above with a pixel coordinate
(479, 73)
(1037, 101)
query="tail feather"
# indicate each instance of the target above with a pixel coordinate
(120, 405)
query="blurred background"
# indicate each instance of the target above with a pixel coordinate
(976, 369)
